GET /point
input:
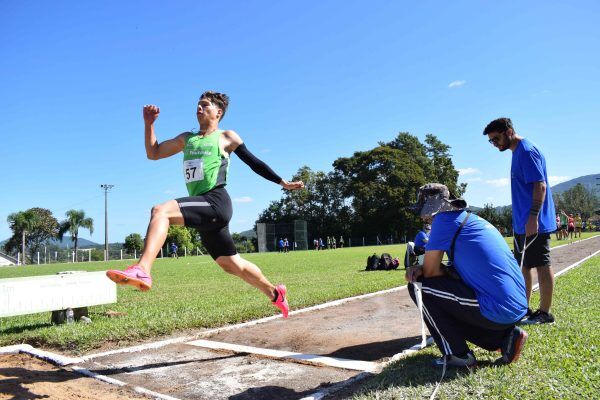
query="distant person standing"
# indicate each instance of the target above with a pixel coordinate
(558, 231)
(280, 245)
(173, 250)
(320, 243)
(532, 212)
(333, 242)
(341, 242)
(316, 244)
(564, 220)
(286, 245)
(578, 225)
(571, 226)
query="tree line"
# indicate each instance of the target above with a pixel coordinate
(367, 194)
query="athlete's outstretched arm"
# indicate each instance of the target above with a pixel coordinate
(155, 150)
(234, 143)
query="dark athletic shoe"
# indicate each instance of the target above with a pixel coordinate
(468, 361)
(539, 317)
(512, 345)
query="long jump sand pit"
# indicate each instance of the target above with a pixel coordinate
(307, 356)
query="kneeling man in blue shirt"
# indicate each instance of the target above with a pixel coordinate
(480, 295)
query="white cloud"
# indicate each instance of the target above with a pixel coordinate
(456, 84)
(468, 171)
(553, 180)
(498, 182)
(243, 199)
(473, 180)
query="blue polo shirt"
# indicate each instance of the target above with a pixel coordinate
(484, 262)
(529, 166)
(421, 239)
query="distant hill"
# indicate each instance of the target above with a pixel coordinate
(66, 242)
(589, 181)
(250, 234)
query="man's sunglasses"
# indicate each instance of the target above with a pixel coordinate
(496, 139)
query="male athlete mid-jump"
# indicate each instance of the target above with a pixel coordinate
(208, 207)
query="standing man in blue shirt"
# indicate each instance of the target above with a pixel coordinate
(532, 212)
(480, 295)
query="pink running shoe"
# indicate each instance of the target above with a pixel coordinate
(281, 302)
(134, 275)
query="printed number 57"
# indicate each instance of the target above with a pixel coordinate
(191, 175)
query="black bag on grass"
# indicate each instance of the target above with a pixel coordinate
(372, 263)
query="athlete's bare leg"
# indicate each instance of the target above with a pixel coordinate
(163, 215)
(249, 272)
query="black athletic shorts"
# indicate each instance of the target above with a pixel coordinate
(537, 253)
(210, 214)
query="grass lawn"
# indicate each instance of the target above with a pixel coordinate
(193, 292)
(559, 361)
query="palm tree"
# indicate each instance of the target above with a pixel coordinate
(24, 222)
(75, 219)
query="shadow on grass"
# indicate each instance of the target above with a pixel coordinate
(24, 328)
(115, 371)
(411, 372)
(376, 350)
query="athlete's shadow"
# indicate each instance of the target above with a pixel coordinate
(411, 372)
(273, 393)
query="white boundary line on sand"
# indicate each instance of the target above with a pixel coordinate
(343, 363)
(357, 378)
(62, 361)
(570, 267)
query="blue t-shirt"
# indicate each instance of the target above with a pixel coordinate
(484, 262)
(421, 239)
(529, 166)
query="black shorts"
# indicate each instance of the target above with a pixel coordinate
(571, 229)
(210, 214)
(537, 253)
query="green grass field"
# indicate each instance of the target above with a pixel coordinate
(193, 292)
(559, 361)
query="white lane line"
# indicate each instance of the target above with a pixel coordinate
(562, 271)
(117, 382)
(141, 347)
(355, 365)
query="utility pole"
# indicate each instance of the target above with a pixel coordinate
(106, 189)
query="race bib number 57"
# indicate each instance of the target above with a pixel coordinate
(193, 170)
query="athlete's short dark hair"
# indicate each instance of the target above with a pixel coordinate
(220, 100)
(499, 125)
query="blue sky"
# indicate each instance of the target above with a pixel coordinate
(309, 82)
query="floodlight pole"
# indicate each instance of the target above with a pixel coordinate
(106, 189)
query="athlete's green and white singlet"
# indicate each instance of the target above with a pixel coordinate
(204, 165)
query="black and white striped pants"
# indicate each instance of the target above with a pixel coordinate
(451, 312)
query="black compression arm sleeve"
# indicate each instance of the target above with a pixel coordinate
(256, 165)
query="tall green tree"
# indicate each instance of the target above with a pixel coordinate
(578, 199)
(76, 220)
(22, 224)
(133, 242)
